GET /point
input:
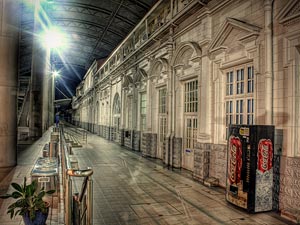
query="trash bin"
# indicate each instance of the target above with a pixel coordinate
(45, 171)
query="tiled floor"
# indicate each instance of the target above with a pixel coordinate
(27, 155)
(132, 190)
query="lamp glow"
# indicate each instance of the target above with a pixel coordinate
(54, 39)
(55, 73)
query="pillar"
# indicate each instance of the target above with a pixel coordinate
(47, 91)
(38, 74)
(268, 63)
(51, 93)
(9, 37)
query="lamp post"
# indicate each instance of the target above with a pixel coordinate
(54, 41)
(52, 90)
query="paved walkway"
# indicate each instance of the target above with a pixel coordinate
(132, 190)
(27, 156)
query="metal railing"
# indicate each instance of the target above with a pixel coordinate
(78, 206)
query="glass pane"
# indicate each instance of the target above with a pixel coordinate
(241, 106)
(242, 88)
(249, 72)
(242, 74)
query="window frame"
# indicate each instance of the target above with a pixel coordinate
(239, 90)
(143, 111)
(190, 95)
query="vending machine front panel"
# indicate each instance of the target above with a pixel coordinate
(250, 167)
(236, 193)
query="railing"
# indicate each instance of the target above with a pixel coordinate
(78, 207)
(23, 103)
(80, 133)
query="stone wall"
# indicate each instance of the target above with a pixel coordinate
(276, 182)
(122, 138)
(118, 137)
(100, 131)
(146, 143)
(106, 132)
(112, 133)
(149, 144)
(136, 140)
(289, 198)
(177, 148)
(153, 145)
(128, 139)
(218, 163)
(201, 161)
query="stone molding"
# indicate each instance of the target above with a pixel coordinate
(249, 33)
(290, 14)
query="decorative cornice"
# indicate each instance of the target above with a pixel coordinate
(290, 13)
(252, 31)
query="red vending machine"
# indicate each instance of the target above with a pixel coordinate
(250, 167)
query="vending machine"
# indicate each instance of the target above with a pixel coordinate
(249, 180)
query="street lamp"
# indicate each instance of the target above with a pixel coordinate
(55, 74)
(54, 41)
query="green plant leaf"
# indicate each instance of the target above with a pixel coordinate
(11, 212)
(5, 196)
(12, 206)
(24, 184)
(41, 195)
(28, 190)
(17, 187)
(16, 194)
(18, 212)
(34, 184)
(50, 192)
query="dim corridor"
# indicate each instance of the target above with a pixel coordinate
(132, 190)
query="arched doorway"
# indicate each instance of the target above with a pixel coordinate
(186, 66)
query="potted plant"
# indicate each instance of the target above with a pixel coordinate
(29, 203)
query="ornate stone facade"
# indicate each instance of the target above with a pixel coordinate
(172, 91)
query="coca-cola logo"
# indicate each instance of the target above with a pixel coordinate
(232, 162)
(265, 157)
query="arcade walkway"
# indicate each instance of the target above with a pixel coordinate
(132, 190)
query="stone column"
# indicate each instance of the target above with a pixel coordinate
(47, 80)
(51, 93)
(38, 73)
(171, 101)
(268, 63)
(9, 37)
(204, 96)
